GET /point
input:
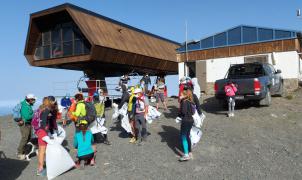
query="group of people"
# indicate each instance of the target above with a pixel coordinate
(43, 122)
(89, 117)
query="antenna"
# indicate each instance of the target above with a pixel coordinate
(185, 64)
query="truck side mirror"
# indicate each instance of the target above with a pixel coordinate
(278, 71)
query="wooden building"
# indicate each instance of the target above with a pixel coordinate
(208, 59)
(69, 37)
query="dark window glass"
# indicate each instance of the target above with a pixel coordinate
(220, 39)
(40, 41)
(56, 51)
(234, 36)
(67, 48)
(78, 47)
(265, 34)
(67, 34)
(56, 36)
(46, 52)
(249, 34)
(207, 43)
(77, 34)
(194, 46)
(46, 38)
(86, 47)
(282, 34)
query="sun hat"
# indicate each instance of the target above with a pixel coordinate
(31, 96)
(83, 122)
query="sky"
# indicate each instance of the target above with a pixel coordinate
(163, 18)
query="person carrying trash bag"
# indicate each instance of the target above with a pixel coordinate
(40, 123)
(99, 124)
(131, 114)
(140, 114)
(83, 143)
(186, 111)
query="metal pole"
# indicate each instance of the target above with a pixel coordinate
(185, 64)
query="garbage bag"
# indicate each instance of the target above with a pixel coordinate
(153, 114)
(115, 111)
(197, 120)
(58, 160)
(195, 135)
(126, 125)
(98, 126)
(123, 110)
(196, 90)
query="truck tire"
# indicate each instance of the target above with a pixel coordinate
(281, 90)
(267, 100)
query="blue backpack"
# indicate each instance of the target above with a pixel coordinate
(17, 112)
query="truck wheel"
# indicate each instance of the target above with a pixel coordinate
(267, 100)
(281, 90)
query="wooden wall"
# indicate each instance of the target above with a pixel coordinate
(242, 50)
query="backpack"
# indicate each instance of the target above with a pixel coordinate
(36, 120)
(99, 107)
(17, 112)
(90, 112)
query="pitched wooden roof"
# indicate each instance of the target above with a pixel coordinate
(111, 42)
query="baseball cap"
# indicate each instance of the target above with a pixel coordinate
(31, 96)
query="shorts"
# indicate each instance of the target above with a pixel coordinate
(160, 96)
(87, 158)
(64, 114)
(41, 133)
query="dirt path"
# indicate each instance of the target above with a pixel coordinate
(258, 143)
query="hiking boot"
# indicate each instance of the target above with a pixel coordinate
(132, 140)
(42, 172)
(21, 156)
(184, 158)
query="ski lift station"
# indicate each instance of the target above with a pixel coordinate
(70, 37)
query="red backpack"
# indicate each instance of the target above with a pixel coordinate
(36, 120)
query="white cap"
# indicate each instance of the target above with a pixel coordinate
(31, 96)
(137, 90)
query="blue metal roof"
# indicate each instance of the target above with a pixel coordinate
(239, 35)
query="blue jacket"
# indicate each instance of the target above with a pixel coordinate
(84, 146)
(66, 102)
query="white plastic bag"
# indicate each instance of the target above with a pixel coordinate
(98, 126)
(126, 125)
(198, 119)
(123, 110)
(115, 111)
(195, 135)
(153, 114)
(58, 160)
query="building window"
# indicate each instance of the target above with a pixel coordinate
(249, 34)
(234, 36)
(207, 43)
(282, 34)
(220, 39)
(265, 34)
(62, 40)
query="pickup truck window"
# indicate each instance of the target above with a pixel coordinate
(246, 70)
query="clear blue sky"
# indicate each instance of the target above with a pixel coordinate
(164, 18)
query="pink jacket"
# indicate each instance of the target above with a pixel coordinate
(230, 90)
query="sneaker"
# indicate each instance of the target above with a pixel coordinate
(21, 156)
(232, 114)
(229, 115)
(92, 162)
(132, 140)
(184, 158)
(42, 172)
(107, 142)
(191, 155)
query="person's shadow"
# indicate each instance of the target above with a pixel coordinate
(11, 168)
(170, 135)
(173, 112)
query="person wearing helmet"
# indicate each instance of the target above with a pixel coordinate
(83, 142)
(25, 123)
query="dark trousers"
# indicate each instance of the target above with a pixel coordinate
(140, 126)
(25, 131)
(185, 130)
(87, 158)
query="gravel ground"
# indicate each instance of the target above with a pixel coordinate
(258, 143)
